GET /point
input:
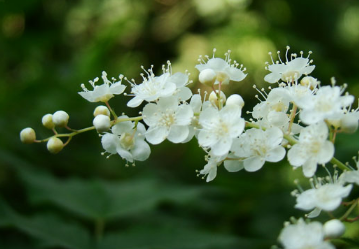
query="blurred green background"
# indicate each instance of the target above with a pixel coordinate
(78, 199)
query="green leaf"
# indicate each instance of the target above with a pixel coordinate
(99, 199)
(168, 238)
(50, 230)
(352, 242)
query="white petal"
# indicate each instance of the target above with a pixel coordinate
(326, 152)
(235, 74)
(276, 154)
(309, 167)
(184, 93)
(308, 69)
(315, 213)
(125, 154)
(298, 63)
(184, 115)
(217, 64)
(306, 200)
(253, 163)
(117, 88)
(180, 79)
(233, 165)
(156, 135)
(141, 150)
(297, 155)
(151, 114)
(222, 147)
(196, 103)
(272, 77)
(178, 133)
(206, 138)
(134, 102)
(168, 103)
(110, 142)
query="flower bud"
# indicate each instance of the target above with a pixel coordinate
(235, 99)
(60, 118)
(333, 229)
(102, 123)
(214, 99)
(47, 121)
(207, 76)
(101, 109)
(349, 123)
(27, 135)
(55, 145)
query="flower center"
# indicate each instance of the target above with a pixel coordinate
(168, 119)
(127, 141)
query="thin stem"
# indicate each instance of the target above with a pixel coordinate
(347, 213)
(112, 111)
(292, 117)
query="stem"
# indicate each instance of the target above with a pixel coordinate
(292, 117)
(112, 111)
(99, 228)
(347, 213)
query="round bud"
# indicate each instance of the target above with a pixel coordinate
(101, 109)
(55, 145)
(102, 123)
(47, 121)
(207, 77)
(235, 99)
(60, 118)
(349, 123)
(333, 229)
(310, 82)
(214, 99)
(27, 135)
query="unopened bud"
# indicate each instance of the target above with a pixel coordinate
(235, 99)
(47, 121)
(102, 123)
(207, 76)
(101, 109)
(333, 229)
(27, 135)
(214, 99)
(55, 145)
(60, 118)
(349, 123)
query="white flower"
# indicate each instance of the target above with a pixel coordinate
(127, 140)
(312, 148)
(304, 236)
(290, 70)
(224, 70)
(219, 128)
(323, 197)
(327, 103)
(167, 119)
(104, 92)
(210, 169)
(154, 87)
(254, 148)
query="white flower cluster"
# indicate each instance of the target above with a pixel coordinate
(297, 119)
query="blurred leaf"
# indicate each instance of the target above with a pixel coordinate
(354, 243)
(174, 238)
(101, 200)
(49, 229)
